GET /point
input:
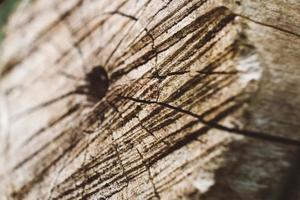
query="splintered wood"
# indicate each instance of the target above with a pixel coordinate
(196, 99)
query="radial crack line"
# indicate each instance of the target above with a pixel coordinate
(268, 25)
(247, 133)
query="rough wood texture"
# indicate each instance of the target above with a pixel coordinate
(200, 100)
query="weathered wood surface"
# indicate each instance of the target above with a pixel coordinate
(188, 79)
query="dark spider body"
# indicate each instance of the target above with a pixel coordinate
(97, 84)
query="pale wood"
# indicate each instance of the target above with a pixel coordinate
(188, 79)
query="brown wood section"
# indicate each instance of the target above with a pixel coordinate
(150, 99)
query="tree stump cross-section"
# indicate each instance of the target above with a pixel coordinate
(150, 99)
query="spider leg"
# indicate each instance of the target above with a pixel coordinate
(45, 104)
(70, 76)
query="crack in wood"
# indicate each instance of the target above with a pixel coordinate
(101, 175)
(248, 133)
(155, 189)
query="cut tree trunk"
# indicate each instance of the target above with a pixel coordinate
(151, 99)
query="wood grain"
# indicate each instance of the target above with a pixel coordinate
(201, 100)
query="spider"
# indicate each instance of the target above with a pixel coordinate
(96, 84)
